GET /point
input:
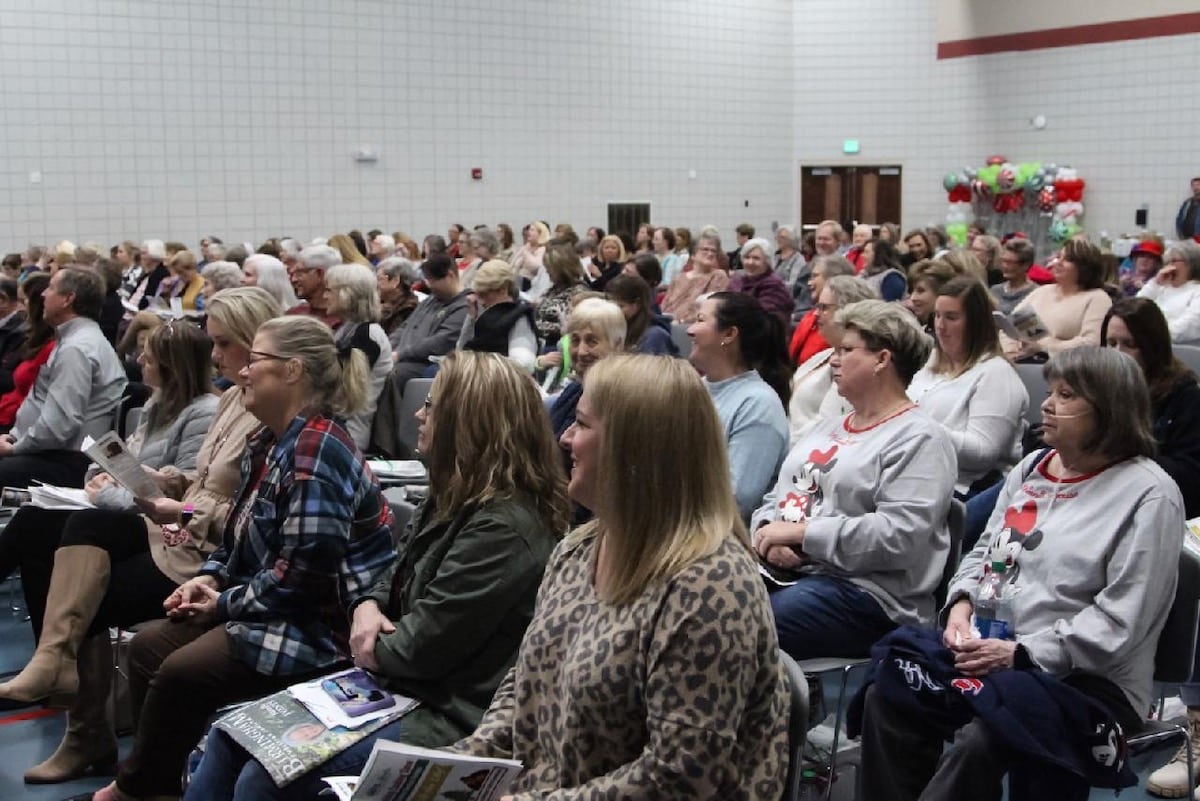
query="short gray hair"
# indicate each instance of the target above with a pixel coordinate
(386, 243)
(1189, 252)
(833, 265)
(601, 317)
(320, 257)
(355, 292)
(891, 327)
(760, 244)
(487, 238)
(222, 274)
(400, 268)
(289, 247)
(790, 233)
(849, 289)
(1115, 387)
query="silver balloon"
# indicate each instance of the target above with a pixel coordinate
(971, 173)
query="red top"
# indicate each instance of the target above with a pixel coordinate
(23, 377)
(806, 340)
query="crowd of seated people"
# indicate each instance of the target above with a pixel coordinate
(843, 451)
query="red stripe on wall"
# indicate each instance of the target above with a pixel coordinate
(1124, 30)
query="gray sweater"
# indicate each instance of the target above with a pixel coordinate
(75, 392)
(175, 444)
(876, 502)
(1096, 561)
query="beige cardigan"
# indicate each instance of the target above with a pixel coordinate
(210, 489)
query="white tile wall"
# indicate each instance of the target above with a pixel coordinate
(1119, 113)
(175, 118)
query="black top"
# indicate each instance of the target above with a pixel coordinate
(1176, 420)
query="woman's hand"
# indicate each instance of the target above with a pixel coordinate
(192, 598)
(369, 623)
(958, 624)
(97, 483)
(779, 533)
(979, 657)
(160, 510)
(547, 360)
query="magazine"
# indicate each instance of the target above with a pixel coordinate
(1023, 325)
(114, 458)
(289, 740)
(398, 772)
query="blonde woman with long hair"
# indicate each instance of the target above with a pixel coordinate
(650, 669)
(443, 625)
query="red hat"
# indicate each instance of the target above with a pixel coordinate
(1147, 248)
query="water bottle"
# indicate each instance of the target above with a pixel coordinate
(993, 607)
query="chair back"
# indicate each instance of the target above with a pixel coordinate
(1188, 354)
(797, 725)
(1035, 384)
(956, 523)
(415, 393)
(683, 342)
(1177, 642)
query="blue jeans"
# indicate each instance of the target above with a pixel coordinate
(825, 616)
(228, 773)
(979, 510)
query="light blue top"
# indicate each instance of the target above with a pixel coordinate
(756, 435)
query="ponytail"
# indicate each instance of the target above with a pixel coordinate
(761, 339)
(350, 394)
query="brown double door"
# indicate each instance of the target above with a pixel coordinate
(855, 194)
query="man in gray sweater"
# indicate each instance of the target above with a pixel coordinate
(75, 392)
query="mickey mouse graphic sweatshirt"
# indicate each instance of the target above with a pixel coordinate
(875, 501)
(1095, 559)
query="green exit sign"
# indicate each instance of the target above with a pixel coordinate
(849, 145)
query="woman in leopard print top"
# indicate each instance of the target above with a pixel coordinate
(650, 669)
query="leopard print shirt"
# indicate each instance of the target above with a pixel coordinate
(677, 695)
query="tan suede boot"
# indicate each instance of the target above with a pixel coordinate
(77, 585)
(89, 745)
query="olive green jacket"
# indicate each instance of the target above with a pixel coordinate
(471, 586)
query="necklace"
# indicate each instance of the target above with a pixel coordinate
(900, 408)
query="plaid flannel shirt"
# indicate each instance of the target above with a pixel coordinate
(309, 533)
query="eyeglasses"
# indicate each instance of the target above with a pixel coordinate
(257, 356)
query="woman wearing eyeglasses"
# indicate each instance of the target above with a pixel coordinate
(113, 568)
(857, 519)
(308, 531)
(813, 394)
(1176, 290)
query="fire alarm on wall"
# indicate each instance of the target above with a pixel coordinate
(477, 173)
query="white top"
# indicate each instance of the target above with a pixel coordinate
(1179, 304)
(814, 395)
(983, 411)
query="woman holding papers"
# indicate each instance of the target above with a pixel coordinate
(177, 363)
(443, 624)
(307, 532)
(1071, 309)
(115, 567)
(650, 668)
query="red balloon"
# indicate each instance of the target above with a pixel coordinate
(996, 160)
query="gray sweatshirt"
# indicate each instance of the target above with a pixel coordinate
(876, 502)
(1096, 562)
